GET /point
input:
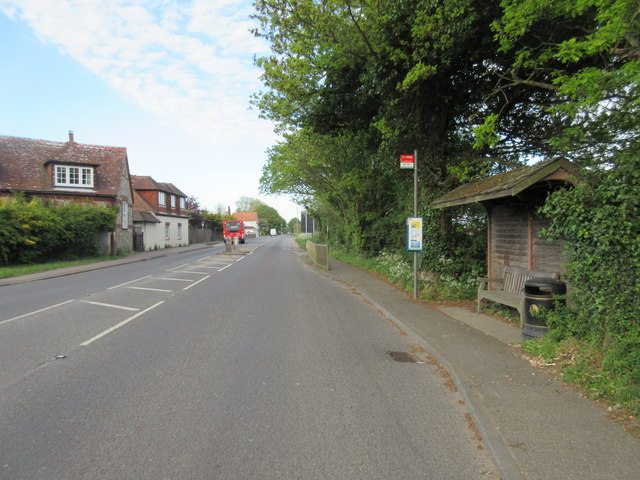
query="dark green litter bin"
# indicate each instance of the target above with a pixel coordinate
(539, 294)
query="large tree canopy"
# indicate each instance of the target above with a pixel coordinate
(476, 86)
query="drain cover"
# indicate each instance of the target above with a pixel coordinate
(404, 357)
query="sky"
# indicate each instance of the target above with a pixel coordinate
(170, 80)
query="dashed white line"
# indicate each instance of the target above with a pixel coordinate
(121, 324)
(34, 312)
(195, 283)
(225, 267)
(127, 283)
(121, 307)
(175, 279)
(151, 289)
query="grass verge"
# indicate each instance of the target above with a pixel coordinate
(19, 270)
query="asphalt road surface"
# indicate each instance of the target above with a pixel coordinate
(217, 366)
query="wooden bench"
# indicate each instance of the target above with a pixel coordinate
(511, 292)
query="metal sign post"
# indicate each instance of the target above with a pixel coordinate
(414, 224)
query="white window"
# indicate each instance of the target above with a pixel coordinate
(125, 215)
(162, 198)
(179, 231)
(167, 227)
(183, 204)
(173, 202)
(74, 176)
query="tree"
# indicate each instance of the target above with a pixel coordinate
(586, 53)
(270, 218)
(248, 204)
(352, 86)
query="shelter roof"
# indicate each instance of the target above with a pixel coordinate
(507, 184)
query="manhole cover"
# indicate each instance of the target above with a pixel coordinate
(404, 357)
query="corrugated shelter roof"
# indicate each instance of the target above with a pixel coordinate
(505, 184)
(246, 216)
(24, 161)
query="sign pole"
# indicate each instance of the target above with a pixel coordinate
(415, 214)
(414, 224)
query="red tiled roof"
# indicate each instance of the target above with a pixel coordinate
(143, 211)
(246, 216)
(148, 183)
(23, 164)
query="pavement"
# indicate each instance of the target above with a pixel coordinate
(533, 425)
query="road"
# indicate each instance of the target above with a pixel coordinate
(214, 366)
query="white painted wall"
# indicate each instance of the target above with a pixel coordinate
(154, 233)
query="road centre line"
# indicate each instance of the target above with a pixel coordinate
(34, 312)
(195, 283)
(151, 289)
(121, 324)
(127, 283)
(121, 307)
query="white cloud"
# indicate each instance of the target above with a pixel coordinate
(189, 63)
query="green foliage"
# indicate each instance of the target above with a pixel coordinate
(270, 218)
(32, 231)
(600, 219)
(600, 372)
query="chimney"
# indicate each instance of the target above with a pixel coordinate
(71, 136)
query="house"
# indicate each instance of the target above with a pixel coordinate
(160, 214)
(511, 200)
(63, 172)
(251, 223)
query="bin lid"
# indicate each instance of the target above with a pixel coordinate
(551, 284)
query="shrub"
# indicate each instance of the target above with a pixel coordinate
(33, 231)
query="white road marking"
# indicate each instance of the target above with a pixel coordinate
(127, 283)
(179, 266)
(195, 283)
(195, 272)
(175, 279)
(225, 267)
(121, 307)
(241, 258)
(36, 311)
(203, 258)
(151, 289)
(121, 324)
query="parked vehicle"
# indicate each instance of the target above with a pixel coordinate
(233, 229)
(273, 232)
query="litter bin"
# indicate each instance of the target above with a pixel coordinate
(539, 294)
